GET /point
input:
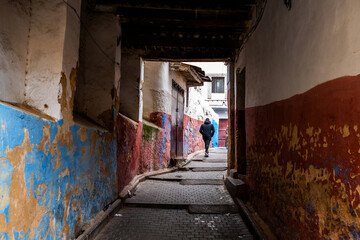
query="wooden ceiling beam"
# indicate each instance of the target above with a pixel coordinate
(244, 15)
(179, 23)
(143, 41)
(183, 32)
(183, 5)
(182, 55)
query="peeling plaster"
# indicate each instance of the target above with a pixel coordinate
(54, 176)
(304, 163)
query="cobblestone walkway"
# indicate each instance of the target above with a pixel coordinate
(168, 206)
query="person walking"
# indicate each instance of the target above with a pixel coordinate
(207, 130)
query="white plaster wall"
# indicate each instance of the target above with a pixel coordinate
(292, 51)
(132, 78)
(156, 88)
(178, 78)
(97, 71)
(14, 30)
(198, 108)
(72, 39)
(45, 55)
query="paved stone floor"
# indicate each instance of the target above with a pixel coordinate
(164, 208)
(166, 192)
(190, 175)
(198, 164)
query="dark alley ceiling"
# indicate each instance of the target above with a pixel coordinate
(181, 30)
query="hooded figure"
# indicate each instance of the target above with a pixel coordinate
(207, 130)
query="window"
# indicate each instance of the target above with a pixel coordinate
(217, 85)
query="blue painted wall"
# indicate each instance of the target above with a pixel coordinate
(72, 181)
(215, 138)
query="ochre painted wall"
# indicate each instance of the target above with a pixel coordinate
(54, 176)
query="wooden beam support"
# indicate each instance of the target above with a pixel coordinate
(179, 23)
(184, 5)
(235, 14)
(172, 30)
(182, 54)
(141, 41)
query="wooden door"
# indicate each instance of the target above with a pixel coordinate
(177, 119)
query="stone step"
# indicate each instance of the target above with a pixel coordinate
(236, 187)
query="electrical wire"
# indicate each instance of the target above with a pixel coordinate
(253, 28)
(91, 36)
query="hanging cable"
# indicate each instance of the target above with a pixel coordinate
(253, 28)
(91, 36)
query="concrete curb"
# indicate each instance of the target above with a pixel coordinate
(245, 213)
(236, 190)
(103, 217)
(100, 221)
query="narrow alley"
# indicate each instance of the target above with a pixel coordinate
(191, 203)
(102, 97)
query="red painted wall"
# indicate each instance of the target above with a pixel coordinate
(156, 143)
(142, 148)
(129, 134)
(223, 124)
(304, 161)
(192, 137)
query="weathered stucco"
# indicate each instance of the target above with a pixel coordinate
(97, 86)
(142, 147)
(45, 56)
(14, 30)
(152, 154)
(304, 162)
(132, 80)
(292, 51)
(128, 149)
(156, 88)
(302, 126)
(55, 176)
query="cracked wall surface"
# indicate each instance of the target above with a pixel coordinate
(304, 168)
(302, 118)
(55, 176)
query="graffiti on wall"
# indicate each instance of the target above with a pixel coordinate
(163, 121)
(192, 137)
(304, 160)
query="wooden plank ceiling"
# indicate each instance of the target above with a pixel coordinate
(181, 30)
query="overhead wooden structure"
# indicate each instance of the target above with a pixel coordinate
(183, 29)
(194, 75)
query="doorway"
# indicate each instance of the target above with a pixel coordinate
(177, 119)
